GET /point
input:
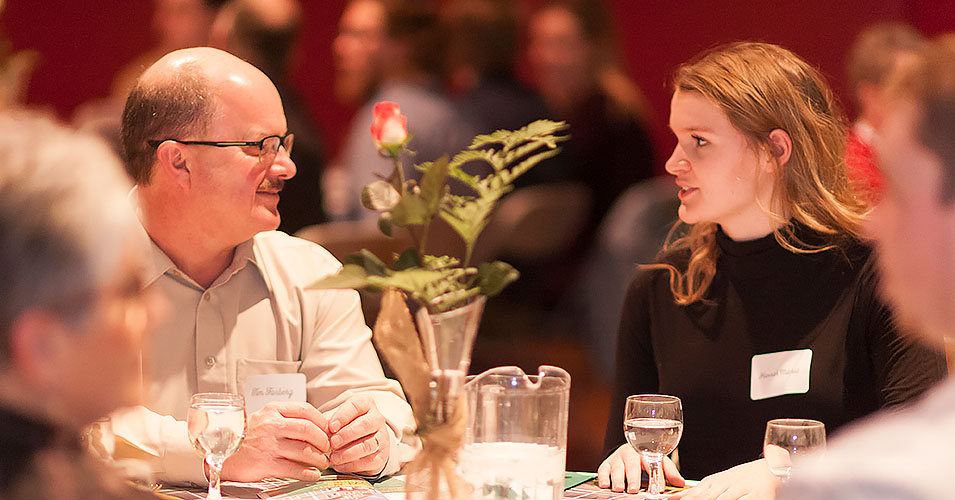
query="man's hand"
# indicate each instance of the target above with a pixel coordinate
(623, 467)
(752, 481)
(288, 439)
(360, 441)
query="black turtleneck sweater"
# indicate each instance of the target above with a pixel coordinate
(764, 299)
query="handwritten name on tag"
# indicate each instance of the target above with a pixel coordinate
(263, 389)
(778, 373)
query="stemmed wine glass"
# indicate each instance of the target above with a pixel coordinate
(216, 423)
(786, 437)
(653, 424)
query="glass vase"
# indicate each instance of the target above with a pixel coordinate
(446, 339)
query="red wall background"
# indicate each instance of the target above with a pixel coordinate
(82, 44)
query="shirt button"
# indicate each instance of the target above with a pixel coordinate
(210, 361)
(207, 296)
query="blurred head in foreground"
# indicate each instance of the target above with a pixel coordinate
(914, 225)
(72, 316)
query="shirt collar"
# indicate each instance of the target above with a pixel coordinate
(159, 263)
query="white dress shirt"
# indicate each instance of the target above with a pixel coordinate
(256, 318)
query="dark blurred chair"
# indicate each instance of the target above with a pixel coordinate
(535, 224)
(535, 229)
(344, 238)
(631, 234)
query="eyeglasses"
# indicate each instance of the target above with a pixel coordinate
(268, 146)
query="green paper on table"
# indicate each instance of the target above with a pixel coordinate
(572, 479)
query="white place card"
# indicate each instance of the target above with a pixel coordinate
(263, 389)
(778, 373)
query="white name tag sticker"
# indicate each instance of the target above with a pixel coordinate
(778, 373)
(262, 389)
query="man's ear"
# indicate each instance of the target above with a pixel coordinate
(780, 147)
(172, 162)
(37, 339)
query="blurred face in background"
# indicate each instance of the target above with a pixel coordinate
(559, 55)
(357, 50)
(182, 23)
(914, 229)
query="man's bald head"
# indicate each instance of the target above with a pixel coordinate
(176, 98)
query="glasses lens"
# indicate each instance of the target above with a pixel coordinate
(270, 146)
(288, 143)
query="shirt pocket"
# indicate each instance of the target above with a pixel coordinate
(247, 367)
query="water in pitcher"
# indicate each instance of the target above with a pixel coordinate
(526, 471)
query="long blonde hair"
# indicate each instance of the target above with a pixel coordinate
(763, 87)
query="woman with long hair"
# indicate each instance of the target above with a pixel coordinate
(765, 306)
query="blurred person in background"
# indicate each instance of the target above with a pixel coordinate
(483, 38)
(391, 50)
(175, 24)
(73, 316)
(766, 306)
(908, 454)
(574, 64)
(264, 33)
(876, 52)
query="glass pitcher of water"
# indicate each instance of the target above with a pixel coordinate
(515, 445)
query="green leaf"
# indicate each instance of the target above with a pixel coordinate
(522, 167)
(468, 216)
(407, 260)
(492, 277)
(433, 182)
(412, 209)
(542, 130)
(380, 196)
(413, 280)
(450, 299)
(350, 276)
(440, 262)
(385, 225)
(371, 264)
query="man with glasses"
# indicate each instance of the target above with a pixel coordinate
(206, 141)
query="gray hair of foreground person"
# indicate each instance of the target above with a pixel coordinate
(64, 219)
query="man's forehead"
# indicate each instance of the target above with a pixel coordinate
(251, 109)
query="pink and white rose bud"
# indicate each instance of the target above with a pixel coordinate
(389, 129)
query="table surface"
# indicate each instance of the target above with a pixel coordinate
(585, 491)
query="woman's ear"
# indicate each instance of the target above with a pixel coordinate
(780, 147)
(172, 162)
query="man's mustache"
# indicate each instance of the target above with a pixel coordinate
(275, 184)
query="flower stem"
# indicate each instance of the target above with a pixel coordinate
(399, 172)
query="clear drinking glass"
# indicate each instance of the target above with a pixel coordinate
(99, 440)
(653, 425)
(216, 424)
(787, 437)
